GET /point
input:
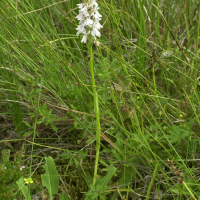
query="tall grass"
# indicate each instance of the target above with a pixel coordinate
(147, 77)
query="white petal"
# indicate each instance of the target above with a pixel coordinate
(88, 22)
(94, 3)
(95, 32)
(80, 5)
(84, 9)
(84, 39)
(80, 29)
(97, 15)
(97, 25)
(80, 17)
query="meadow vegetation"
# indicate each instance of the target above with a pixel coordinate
(147, 78)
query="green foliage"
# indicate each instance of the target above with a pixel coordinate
(99, 191)
(50, 178)
(64, 197)
(146, 72)
(10, 172)
(176, 134)
(25, 189)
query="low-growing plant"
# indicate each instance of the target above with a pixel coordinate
(10, 171)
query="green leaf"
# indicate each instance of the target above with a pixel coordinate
(179, 191)
(88, 178)
(50, 178)
(25, 189)
(28, 133)
(27, 124)
(103, 182)
(54, 127)
(64, 197)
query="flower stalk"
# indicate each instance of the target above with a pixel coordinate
(89, 26)
(96, 107)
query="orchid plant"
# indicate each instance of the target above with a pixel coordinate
(89, 26)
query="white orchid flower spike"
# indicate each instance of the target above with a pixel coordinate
(89, 18)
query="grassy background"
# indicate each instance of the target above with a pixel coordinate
(147, 77)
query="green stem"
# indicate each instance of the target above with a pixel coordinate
(151, 183)
(96, 107)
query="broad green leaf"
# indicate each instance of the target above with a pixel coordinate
(64, 197)
(103, 182)
(50, 178)
(25, 189)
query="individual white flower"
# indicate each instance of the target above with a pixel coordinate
(95, 32)
(94, 4)
(89, 18)
(84, 10)
(80, 29)
(22, 167)
(82, 15)
(97, 15)
(80, 5)
(84, 39)
(88, 22)
(97, 25)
